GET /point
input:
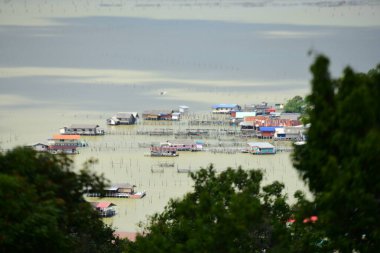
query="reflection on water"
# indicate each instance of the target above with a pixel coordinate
(121, 159)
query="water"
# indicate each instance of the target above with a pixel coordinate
(80, 62)
(121, 159)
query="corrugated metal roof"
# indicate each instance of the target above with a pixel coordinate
(260, 144)
(114, 187)
(83, 126)
(267, 129)
(124, 114)
(224, 106)
(158, 112)
(66, 137)
(181, 142)
(123, 185)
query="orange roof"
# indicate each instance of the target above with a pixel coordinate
(66, 137)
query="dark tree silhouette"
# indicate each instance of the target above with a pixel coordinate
(341, 159)
(42, 207)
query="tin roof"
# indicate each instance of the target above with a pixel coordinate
(260, 144)
(114, 187)
(267, 129)
(180, 142)
(39, 144)
(158, 112)
(224, 106)
(124, 114)
(84, 126)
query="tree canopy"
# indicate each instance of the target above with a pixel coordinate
(42, 207)
(341, 159)
(226, 212)
(297, 105)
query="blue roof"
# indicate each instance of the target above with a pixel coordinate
(267, 129)
(224, 106)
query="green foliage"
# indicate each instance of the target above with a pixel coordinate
(226, 213)
(297, 105)
(341, 159)
(42, 207)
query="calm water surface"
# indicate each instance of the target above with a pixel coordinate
(121, 159)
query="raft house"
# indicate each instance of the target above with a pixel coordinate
(184, 145)
(123, 190)
(105, 209)
(123, 118)
(163, 150)
(82, 129)
(261, 148)
(225, 108)
(67, 140)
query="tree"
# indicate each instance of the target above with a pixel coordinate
(297, 105)
(341, 159)
(228, 212)
(43, 209)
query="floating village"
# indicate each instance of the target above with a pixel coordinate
(259, 129)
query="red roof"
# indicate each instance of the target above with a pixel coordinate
(104, 204)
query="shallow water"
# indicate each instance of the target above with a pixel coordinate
(121, 159)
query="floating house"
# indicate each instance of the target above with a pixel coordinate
(40, 147)
(184, 145)
(61, 149)
(123, 190)
(82, 129)
(296, 133)
(157, 115)
(105, 209)
(163, 150)
(261, 148)
(123, 118)
(225, 108)
(67, 140)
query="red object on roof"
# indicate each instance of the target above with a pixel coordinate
(103, 204)
(66, 137)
